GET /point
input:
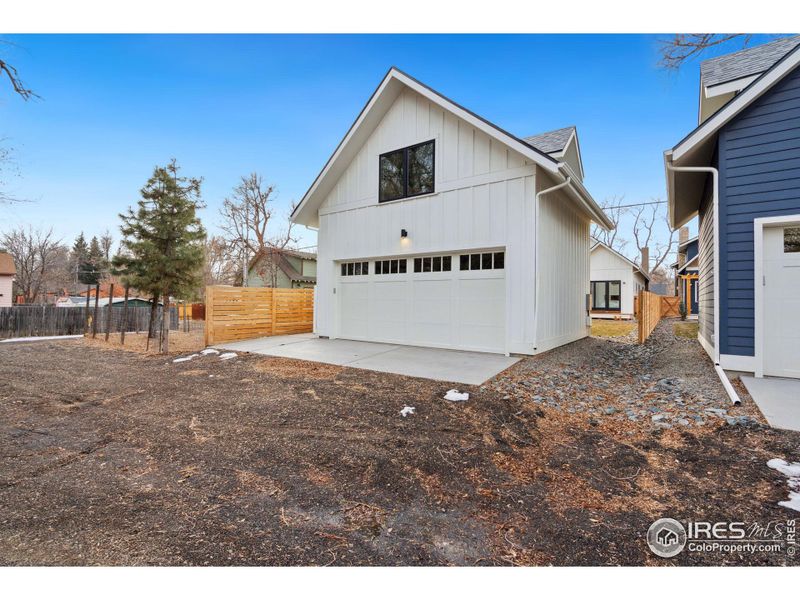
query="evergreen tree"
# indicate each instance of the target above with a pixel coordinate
(164, 239)
(77, 257)
(93, 267)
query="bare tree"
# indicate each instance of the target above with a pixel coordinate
(614, 211)
(681, 47)
(14, 78)
(222, 266)
(106, 242)
(247, 217)
(37, 256)
(650, 225)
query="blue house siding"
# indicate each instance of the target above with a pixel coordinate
(759, 168)
(691, 251)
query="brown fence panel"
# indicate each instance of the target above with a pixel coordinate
(649, 314)
(234, 313)
(670, 306)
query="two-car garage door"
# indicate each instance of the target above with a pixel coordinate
(446, 301)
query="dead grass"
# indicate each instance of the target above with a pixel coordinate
(686, 329)
(179, 342)
(611, 328)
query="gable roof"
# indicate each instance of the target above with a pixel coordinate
(552, 142)
(279, 256)
(7, 264)
(393, 83)
(598, 244)
(745, 63)
(687, 242)
(696, 149)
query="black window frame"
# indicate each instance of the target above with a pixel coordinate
(445, 262)
(348, 269)
(405, 152)
(607, 296)
(477, 261)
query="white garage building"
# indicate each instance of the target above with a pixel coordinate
(615, 283)
(437, 228)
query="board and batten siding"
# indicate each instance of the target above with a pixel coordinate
(759, 163)
(564, 269)
(607, 266)
(484, 199)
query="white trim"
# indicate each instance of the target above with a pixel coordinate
(758, 281)
(763, 83)
(707, 346)
(734, 362)
(728, 87)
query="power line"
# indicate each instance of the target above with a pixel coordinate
(632, 205)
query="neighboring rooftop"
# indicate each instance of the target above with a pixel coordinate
(551, 142)
(7, 264)
(744, 63)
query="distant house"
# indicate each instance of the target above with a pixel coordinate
(738, 171)
(80, 301)
(277, 268)
(687, 272)
(7, 273)
(615, 282)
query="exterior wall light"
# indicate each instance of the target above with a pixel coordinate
(403, 233)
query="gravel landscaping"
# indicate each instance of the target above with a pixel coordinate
(667, 382)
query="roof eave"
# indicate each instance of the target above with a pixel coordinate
(576, 185)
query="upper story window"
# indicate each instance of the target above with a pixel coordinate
(406, 172)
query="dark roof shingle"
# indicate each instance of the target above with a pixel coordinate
(747, 62)
(551, 142)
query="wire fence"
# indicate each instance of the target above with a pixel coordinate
(40, 320)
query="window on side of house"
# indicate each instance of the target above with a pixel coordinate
(606, 295)
(482, 262)
(407, 172)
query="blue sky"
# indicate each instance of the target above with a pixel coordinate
(113, 107)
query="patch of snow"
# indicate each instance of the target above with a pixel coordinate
(792, 471)
(41, 338)
(227, 355)
(185, 358)
(208, 351)
(408, 410)
(456, 396)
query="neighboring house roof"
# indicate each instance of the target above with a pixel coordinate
(7, 264)
(395, 80)
(279, 256)
(684, 191)
(598, 243)
(682, 245)
(691, 263)
(745, 63)
(552, 142)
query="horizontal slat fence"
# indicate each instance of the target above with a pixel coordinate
(39, 320)
(649, 314)
(234, 313)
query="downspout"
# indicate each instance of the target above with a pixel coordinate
(565, 183)
(715, 203)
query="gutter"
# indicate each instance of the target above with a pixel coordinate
(715, 203)
(539, 194)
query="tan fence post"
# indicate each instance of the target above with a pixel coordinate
(273, 310)
(209, 323)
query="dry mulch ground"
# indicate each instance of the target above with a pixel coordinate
(179, 341)
(111, 457)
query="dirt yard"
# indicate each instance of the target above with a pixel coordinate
(116, 458)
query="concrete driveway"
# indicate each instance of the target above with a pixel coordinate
(472, 368)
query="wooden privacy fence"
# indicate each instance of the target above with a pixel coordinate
(234, 313)
(649, 314)
(670, 306)
(37, 320)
